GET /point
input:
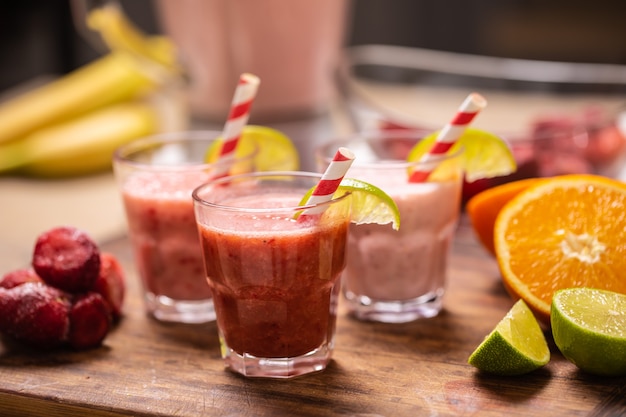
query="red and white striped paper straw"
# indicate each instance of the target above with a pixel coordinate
(451, 132)
(239, 112)
(330, 181)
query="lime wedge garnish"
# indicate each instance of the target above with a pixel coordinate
(516, 346)
(369, 204)
(589, 328)
(276, 152)
(485, 155)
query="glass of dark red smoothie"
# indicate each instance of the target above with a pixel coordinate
(274, 278)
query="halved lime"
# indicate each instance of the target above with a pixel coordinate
(369, 203)
(589, 328)
(516, 346)
(276, 152)
(485, 155)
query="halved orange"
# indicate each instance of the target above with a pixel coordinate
(567, 231)
(483, 208)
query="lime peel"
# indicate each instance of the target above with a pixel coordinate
(516, 345)
(370, 204)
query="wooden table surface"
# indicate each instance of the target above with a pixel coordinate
(146, 368)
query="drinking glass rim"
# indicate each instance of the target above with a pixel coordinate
(136, 146)
(267, 210)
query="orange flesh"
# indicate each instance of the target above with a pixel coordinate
(566, 232)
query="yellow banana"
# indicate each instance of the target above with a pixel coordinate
(82, 146)
(120, 34)
(72, 125)
(111, 79)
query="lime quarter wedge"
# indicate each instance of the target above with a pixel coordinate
(370, 204)
(485, 155)
(516, 346)
(276, 152)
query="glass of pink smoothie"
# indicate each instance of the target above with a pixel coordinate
(399, 276)
(274, 279)
(293, 46)
(156, 176)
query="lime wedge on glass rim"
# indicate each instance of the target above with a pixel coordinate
(516, 346)
(369, 203)
(589, 328)
(276, 152)
(485, 155)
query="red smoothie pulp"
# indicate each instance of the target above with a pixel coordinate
(273, 280)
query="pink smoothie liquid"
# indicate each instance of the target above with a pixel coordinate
(274, 279)
(398, 276)
(163, 233)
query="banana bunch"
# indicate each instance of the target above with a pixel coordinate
(72, 125)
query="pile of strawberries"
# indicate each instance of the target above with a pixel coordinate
(71, 296)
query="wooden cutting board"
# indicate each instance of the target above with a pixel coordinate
(146, 368)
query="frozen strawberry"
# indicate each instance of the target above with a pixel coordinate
(67, 258)
(111, 284)
(18, 277)
(90, 321)
(35, 314)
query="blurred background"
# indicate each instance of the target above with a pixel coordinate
(38, 37)
(40, 41)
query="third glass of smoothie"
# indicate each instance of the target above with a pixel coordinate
(156, 176)
(399, 276)
(274, 278)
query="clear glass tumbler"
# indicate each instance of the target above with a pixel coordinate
(274, 278)
(399, 276)
(156, 176)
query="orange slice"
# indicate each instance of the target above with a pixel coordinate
(483, 208)
(563, 232)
